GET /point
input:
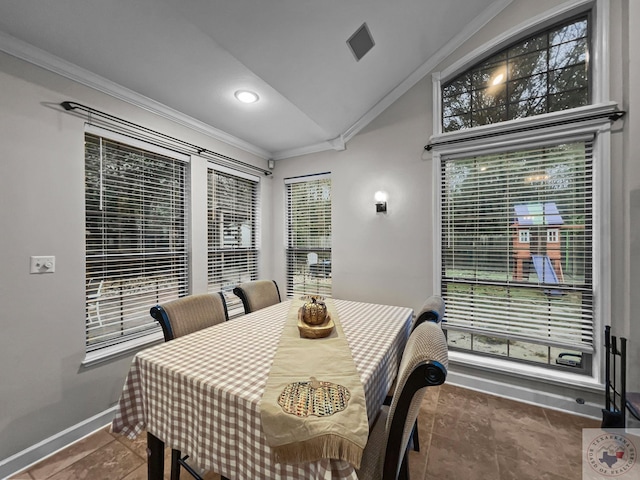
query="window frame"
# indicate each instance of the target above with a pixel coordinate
(482, 329)
(154, 334)
(234, 304)
(325, 252)
(508, 61)
(590, 119)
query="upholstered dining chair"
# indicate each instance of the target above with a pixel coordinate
(181, 317)
(432, 311)
(258, 294)
(189, 314)
(424, 363)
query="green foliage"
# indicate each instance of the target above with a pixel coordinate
(547, 72)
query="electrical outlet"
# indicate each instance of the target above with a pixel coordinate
(43, 264)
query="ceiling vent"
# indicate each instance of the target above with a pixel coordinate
(361, 42)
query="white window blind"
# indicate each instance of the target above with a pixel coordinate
(136, 252)
(233, 232)
(517, 244)
(309, 235)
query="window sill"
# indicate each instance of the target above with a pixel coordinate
(121, 349)
(531, 372)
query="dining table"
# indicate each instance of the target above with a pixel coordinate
(201, 393)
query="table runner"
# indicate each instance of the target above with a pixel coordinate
(337, 427)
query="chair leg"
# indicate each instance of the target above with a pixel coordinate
(155, 461)
(416, 440)
(175, 464)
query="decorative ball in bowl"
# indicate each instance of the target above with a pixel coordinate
(314, 312)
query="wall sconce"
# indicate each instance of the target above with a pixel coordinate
(381, 201)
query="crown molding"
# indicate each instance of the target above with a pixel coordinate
(480, 21)
(465, 34)
(36, 56)
(299, 151)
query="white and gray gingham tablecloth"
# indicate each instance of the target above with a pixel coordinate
(201, 393)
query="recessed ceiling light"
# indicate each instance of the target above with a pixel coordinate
(246, 96)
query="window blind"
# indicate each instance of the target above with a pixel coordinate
(517, 244)
(233, 232)
(136, 252)
(309, 235)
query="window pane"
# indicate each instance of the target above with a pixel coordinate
(566, 100)
(492, 345)
(458, 106)
(529, 107)
(450, 124)
(487, 74)
(309, 236)
(490, 115)
(516, 249)
(530, 45)
(528, 87)
(136, 253)
(569, 78)
(534, 70)
(232, 234)
(567, 54)
(528, 65)
(489, 97)
(458, 87)
(569, 32)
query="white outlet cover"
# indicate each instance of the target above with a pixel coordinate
(43, 264)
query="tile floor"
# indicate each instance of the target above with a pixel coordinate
(464, 435)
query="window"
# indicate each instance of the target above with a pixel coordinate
(136, 251)
(546, 72)
(309, 235)
(522, 155)
(233, 203)
(527, 300)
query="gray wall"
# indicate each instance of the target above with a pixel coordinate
(376, 258)
(43, 388)
(389, 258)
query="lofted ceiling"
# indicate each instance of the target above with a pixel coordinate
(188, 57)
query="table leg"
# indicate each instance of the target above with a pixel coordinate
(155, 460)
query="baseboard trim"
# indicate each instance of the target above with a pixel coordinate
(555, 401)
(54, 443)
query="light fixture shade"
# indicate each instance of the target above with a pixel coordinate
(380, 196)
(245, 96)
(381, 201)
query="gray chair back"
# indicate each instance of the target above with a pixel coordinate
(190, 314)
(258, 294)
(424, 363)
